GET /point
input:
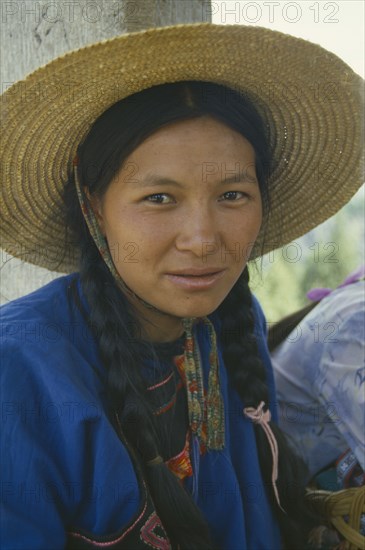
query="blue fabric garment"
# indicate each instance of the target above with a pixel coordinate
(63, 465)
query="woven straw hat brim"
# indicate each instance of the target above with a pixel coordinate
(311, 100)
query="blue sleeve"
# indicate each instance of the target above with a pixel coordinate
(32, 516)
(63, 465)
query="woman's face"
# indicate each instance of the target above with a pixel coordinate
(182, 215)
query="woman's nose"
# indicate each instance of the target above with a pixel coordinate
(198, 232)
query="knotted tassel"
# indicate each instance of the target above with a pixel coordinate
(258, 416)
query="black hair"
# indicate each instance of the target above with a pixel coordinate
(111, 139)
(280, 330)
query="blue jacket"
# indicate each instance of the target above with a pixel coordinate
(67, 479)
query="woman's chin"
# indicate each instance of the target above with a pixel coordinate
(191, 310)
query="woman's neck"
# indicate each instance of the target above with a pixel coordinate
(157, 326)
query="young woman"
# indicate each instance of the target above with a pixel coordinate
(138, 391)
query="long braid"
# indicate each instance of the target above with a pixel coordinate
(247, 374)
(239, 342)
(122, 353)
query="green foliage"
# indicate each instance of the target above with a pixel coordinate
(321, 258)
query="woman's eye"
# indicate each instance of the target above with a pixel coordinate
(233, 196)
(159, 198)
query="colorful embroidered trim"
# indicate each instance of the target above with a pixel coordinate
(179, 361)
(162, 383)
(105, 544)
(180, 464)
(153, 534)
(197, 405)
(258, 416)
(167, 406)
(215, 408)
(349, 471)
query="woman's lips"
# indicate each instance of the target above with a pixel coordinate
(195, 279)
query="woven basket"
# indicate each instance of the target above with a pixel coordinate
(334, 507)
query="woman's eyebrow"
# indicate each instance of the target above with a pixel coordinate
(154, 180)
(243, 177)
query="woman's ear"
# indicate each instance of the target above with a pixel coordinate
(96, 205)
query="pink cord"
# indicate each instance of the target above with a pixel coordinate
(258, 416)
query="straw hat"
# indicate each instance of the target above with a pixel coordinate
(311, 100)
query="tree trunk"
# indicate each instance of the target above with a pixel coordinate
(37, 31)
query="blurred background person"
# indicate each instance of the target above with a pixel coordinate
(319, 366)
